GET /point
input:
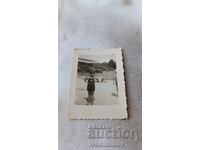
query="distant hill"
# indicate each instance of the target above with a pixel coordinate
(87, 65)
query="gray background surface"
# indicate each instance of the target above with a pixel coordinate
(99, 24)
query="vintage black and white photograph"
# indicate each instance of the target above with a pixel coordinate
(96, 82)
(97, 85)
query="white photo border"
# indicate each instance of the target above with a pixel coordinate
(118, 111)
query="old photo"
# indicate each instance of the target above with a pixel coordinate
(97, 85)
(96, 82)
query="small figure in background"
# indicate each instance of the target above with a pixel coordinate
(115, 81)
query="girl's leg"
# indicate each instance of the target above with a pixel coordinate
(92, 97)
(88, 99)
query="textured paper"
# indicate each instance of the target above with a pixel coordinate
(109, 95)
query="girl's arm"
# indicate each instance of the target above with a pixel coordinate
(96, 79)
(86, 79)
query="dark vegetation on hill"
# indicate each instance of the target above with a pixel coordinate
(97, 67)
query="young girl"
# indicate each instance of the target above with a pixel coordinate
(90, 88)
